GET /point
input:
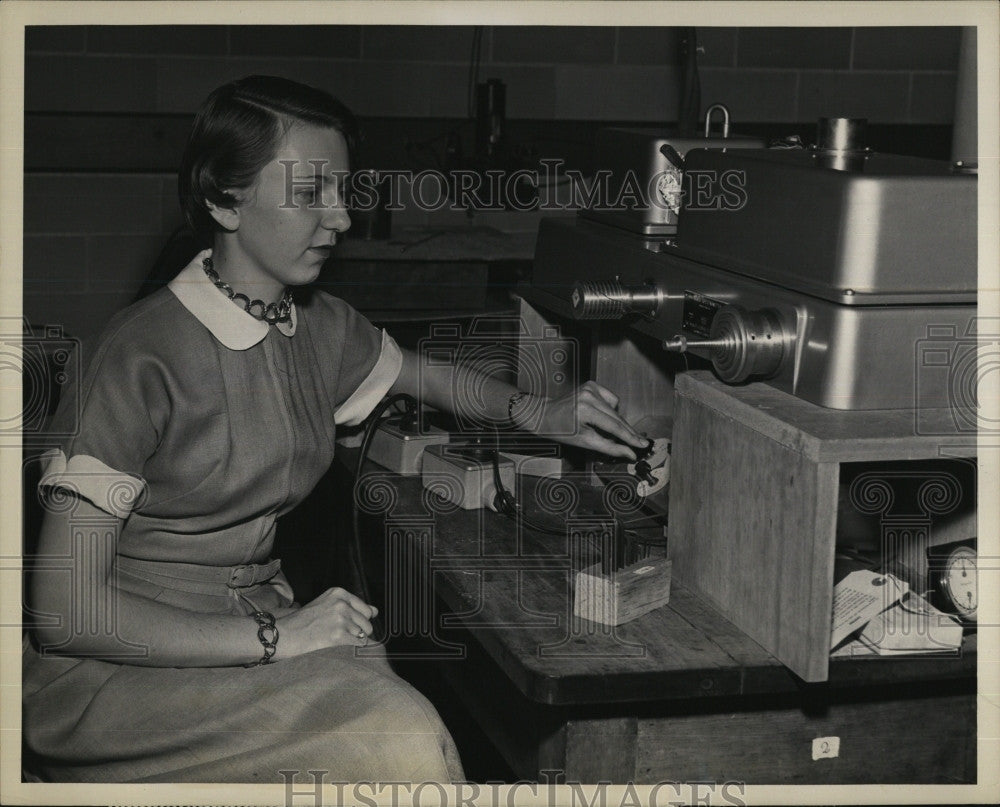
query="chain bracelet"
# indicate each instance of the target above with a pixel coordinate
(267, 633)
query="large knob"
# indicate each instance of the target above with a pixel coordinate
(594, 299)
(742, 343)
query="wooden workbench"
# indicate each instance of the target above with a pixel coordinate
(679, 694)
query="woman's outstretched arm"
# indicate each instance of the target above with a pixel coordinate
(587, 416)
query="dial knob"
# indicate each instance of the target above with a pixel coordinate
(742, 343)
(594, 299)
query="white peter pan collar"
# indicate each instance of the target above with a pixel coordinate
(231, 325)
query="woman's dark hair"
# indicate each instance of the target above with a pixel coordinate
(236, 133)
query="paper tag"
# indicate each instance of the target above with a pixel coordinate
(913, 626)
(859, 597)
(826, 748)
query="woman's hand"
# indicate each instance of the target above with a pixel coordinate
(335, 617)
(589, 417)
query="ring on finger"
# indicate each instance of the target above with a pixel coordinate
(361, 634)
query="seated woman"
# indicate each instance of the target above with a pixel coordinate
(207, 410)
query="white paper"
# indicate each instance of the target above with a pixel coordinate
(912, 626)
(859, 597)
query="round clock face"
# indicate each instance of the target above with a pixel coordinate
(671, 190)
(959, 581)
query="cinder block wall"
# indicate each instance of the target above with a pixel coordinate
(91, 236)
(890, 75)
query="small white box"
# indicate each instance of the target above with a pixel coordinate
(451, 472)
(402, 451)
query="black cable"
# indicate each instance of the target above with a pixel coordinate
(505, 502)
(374, 419)
(507, 505)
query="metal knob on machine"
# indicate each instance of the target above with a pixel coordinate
(612, 300)
(741, 343)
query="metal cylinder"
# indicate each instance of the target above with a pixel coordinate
(841, 134)
(741, 343)
(840, 143)
(491, 115)
(753, 343)
(611, 300)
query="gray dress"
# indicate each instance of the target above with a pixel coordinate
(200, 425)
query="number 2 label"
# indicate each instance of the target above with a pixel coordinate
(826, 747)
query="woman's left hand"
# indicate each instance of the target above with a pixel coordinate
(588, 417)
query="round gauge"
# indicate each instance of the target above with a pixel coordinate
(958, 581)
(669, 185)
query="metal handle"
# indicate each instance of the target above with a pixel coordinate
(725, 119)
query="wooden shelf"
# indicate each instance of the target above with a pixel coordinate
(754, 497)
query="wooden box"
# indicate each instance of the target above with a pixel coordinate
(624, 594)
(754, 502)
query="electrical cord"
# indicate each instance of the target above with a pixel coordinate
(505, 504)
(374, 419)
(504, 501)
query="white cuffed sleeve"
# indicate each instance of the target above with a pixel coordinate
(374, 387)
(112, 491)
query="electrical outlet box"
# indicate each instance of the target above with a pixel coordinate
(464, 476)
(402, 451)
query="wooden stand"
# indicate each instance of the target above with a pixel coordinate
(754, 503)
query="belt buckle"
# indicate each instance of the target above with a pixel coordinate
(237, 578)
